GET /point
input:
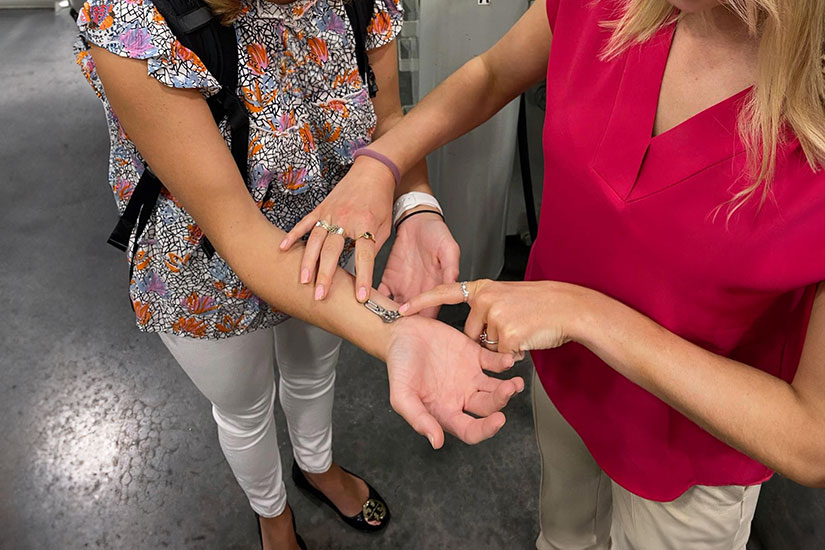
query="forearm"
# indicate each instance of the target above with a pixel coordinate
(465, 100)
(272, 275)
(175, 133)
(758, 414)
(474, 93)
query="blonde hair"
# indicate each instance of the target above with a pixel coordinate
(227, 10)
(789, 93)
(230, 10)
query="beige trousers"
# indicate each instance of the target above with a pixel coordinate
(582, 509)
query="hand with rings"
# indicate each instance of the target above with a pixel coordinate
(358, 208)
(514, 317)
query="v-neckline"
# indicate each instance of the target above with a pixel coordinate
(634, 162)
(670, 39)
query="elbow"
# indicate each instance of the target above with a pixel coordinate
(814, 480)
(815, 476)
(808, 470)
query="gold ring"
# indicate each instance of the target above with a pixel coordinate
(366, 235)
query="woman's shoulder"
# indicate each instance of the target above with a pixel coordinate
(575, 13)
(136, 29)
(129, 28)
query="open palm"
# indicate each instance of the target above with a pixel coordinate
(424, 255)
(436, 377)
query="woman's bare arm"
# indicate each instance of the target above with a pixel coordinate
(474, 93)
(780, 424)
(175, 132)
(434, 372)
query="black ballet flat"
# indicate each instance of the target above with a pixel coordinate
(373, 509)
(301, 544)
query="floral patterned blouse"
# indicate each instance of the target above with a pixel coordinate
(308, 111)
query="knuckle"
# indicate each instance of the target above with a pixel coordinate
(369, 219)
(509, 335)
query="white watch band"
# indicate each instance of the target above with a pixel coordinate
(410, 200)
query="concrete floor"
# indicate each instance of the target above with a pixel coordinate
(106, 443)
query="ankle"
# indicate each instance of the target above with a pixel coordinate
(278, 531)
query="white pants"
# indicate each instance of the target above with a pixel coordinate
(581, 508)
(237, 375)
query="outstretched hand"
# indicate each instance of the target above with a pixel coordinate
(423, 256)
(436, 377)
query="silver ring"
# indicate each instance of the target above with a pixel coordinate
(324, 224)
(486, 341)
(464, 291)
(338, 230)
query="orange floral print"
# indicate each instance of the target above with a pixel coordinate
(175, 263)
(308, 111)
(381, 25)
(255, 100)
(142, 312)
(258, 58)
(190, 325)
(228, 325)
(183, 53)
(318, 49)
(198, 305)
(142, 260)
(306, 137)
(194, 234)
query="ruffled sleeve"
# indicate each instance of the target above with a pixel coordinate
(386, 24)
(136, 29)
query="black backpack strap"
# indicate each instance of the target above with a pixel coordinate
(360, 14)
(137, 213)
(194, 25)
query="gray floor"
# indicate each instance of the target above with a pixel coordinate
(106, 444)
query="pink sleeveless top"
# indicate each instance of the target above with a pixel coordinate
(632, 216)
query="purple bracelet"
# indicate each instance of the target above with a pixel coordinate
(383, 159)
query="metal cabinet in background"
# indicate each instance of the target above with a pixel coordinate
(471, 176)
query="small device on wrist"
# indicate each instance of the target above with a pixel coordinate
(408, 201)
(387, 315)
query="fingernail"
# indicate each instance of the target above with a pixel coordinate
(362, 294)
(432, 442)
(305, 276)
(403, 309)
(283, 243)
(319, 292)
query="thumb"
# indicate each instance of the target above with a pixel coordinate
(384, 289)
(495, 362)
(411, 409)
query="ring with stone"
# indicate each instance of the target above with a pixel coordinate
(486, 341)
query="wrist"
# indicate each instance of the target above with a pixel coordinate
(587, 308)
(379, 159)
(385, 332)
(423, 214)
(411, 202)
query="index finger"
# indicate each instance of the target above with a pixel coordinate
(364, 264)
(438, 296)
(299, 230)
